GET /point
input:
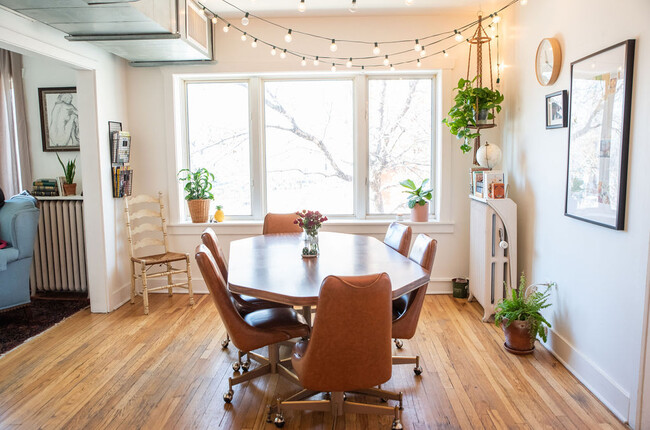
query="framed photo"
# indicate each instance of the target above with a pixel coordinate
(59, 119)
(556, 109)
(599, 132)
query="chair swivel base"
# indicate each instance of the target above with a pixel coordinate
(400, 359)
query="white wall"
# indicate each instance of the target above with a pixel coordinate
(151, 120)
(601, 273)
(40, 72)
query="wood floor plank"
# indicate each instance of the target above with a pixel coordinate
(167, 370)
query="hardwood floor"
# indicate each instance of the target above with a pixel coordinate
(167, 370)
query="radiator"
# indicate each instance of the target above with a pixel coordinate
(59, 252)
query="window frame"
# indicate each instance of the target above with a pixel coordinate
(257, 135)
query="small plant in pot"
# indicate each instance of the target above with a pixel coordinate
(69, 170)
(198, 185)
(520, 316)
(418, 200)
(474, 107)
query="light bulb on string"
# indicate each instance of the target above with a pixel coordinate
(273, 51)
(254, 43)
(408, 2)
(302, 6)
(376, 49)
(204, 11)
(496, 18)
(386, 61)
(353, 6)
(303, 62)
(333, 46)
(392, 68)
(288, 37)
(333, 69)
(226, 28)
(418, 63)
(283, 54)
(458, 37)
(316, 62)
(523, 2)
(214, 19)
(349, 63)
(245, 20)
(445, 53)
(417, 46)
(243, 37)
(423, 53)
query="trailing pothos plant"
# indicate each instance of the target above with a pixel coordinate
(470, 101)
(198, 183)
(526, 304)
(417, 195)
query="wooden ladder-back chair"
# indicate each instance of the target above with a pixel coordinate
(147, 228)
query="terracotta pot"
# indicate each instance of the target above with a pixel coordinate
(518, 337)
(69, 189)
(420, 213)
(199, 210)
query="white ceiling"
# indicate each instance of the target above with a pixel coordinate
(341, 7)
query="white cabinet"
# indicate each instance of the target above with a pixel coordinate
(492, 251)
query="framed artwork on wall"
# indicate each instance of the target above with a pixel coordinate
(556, 109)
(59, 119)
(599, 132)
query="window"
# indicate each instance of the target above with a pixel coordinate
(337, 144)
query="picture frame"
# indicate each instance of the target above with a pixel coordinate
(59, 119)
(599, 133)
(556, 109)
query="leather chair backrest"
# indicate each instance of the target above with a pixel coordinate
(350, 345)
(398, 237)
(209, 239)
(280, 223)
(424, 251)
(243, 336)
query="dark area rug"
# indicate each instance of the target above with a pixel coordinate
(16, 326)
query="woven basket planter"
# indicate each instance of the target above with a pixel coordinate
(199, 210)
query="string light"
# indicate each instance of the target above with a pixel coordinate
(445, 53)
(496, 18)
(423, 53)
(333, 46)
(245, 20)
(273, 51)
(316, 62)
(203, 11)
(243, 37)
(302, 6)
(417, 46)
(392, 68)
(303, 62)
(523, 2)
(349, 63)
(458, 36)
(288, 37)
(333, 69)
(214, 19)
(254, 43)
(386, 62)
(353, 6)
(418, 63)
(226, 28)
(283, 54)
(376, 49)
(408, 2)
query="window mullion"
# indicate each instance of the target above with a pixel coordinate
(257, 148)
(361, 147)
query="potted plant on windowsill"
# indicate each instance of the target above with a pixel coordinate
(69, 170)
(473, 110)
(197, 192)
(520, 316)
(418, 200)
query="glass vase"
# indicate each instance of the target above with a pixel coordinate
(310, 243)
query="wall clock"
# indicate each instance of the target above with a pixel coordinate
(548, 61)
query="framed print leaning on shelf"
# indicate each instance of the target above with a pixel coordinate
(59, 119)
(556, 112)
(599, 132)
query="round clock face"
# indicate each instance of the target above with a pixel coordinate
(548, 60)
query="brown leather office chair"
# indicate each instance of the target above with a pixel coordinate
(349, 349)
(280, 223)
(398, 237)
(254, 330)
(407, 308)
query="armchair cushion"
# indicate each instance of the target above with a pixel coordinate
(7, 255)
(18, 221)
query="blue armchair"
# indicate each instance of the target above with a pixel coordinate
(18, 224)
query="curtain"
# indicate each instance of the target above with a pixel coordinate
(15, 166)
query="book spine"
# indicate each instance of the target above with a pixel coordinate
(44, 183)
(52, 187)
(45, 193)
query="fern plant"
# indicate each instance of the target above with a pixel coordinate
(525, 305)
(69, 169)
(198, 183)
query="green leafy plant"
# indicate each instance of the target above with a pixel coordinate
(417, 195)
(525, 305)
(69, 169)
(198, 183)
(470, 101)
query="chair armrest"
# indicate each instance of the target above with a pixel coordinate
(18, 224)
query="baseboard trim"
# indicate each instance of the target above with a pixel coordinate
(440, 286)
(612, 395)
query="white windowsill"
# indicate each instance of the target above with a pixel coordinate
(366, 226)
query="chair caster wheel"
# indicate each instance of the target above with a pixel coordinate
(279, 421)
(399, 343)
(417, 370)
(236, 366)
(224, 343)
(397, 425)
(228, 396)
(245, 366)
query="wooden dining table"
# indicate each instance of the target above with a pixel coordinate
(271, 266)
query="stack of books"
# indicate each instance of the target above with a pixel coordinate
(45, 187)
